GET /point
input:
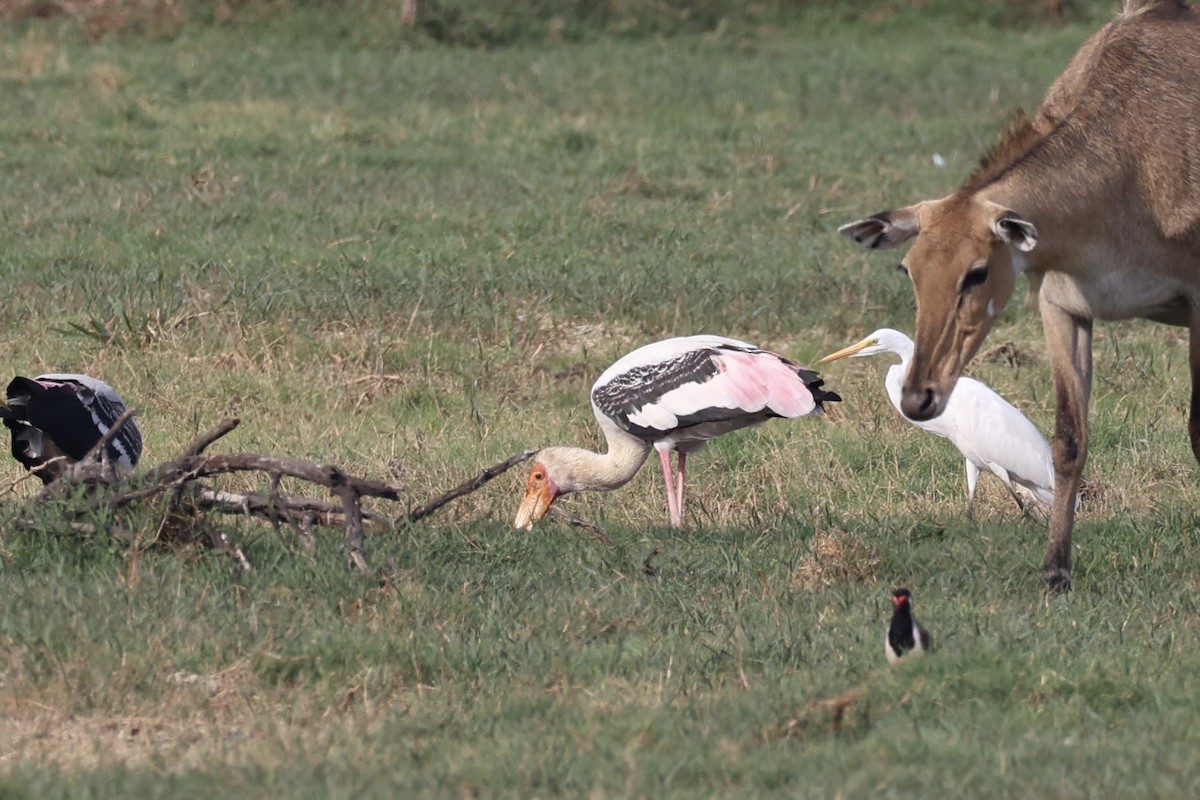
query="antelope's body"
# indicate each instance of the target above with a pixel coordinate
(1097, 200)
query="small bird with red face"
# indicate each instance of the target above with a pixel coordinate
(905, 634)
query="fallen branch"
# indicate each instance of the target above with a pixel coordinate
(191, 467)
(178, 477)
(352, 544)
(291, 509)
(201, 442)
(420, 512)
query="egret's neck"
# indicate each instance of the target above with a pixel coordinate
(575, 469)
(893, 382)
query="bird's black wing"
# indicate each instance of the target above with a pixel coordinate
(900, 634)
(812, 379)
(630, 392)
(59, 412)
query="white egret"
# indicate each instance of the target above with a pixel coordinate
(991, 434)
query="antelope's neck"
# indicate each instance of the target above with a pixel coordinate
(1062, 185)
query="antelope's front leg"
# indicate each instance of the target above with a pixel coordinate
(1194, 359)
(1069, 347)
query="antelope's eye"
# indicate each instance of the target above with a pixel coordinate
(974, 277)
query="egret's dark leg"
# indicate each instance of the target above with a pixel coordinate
(1069, 347)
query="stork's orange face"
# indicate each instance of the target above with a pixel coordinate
(540, 491)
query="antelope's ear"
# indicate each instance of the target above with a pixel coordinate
(885, 230)
(1015, 231)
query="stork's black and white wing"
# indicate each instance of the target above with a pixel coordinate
(692, 388)
(63, 416)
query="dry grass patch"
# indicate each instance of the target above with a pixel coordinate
(102, 18)
(835, 556)
(198, 722)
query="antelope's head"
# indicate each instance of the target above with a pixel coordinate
(963, 266)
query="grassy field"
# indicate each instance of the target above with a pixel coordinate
(412, 260)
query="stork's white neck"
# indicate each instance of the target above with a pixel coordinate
(575, 469)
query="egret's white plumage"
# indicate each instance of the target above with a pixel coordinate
(992, 435)
(57, 418)
(672, 395)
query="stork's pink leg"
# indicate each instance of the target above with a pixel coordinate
(679, 486)
(672, 505)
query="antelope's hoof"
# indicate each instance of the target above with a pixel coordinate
(1057, 579)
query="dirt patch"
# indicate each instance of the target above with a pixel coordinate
(835, 556)
(198, 720)
(84, 742)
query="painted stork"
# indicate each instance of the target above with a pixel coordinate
(56, 419)
(672, 395)
(904, 634)
(991, 434)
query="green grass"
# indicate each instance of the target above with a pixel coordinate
(412, 260)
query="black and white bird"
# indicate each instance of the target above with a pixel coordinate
(56, 419)
(672, 395)
(905, 634)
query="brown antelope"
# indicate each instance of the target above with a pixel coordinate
(1097, 201)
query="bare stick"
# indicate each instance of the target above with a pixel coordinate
(420, 512)
(352, 545)
(204, 466)
(319, 512)
(201, 442)
(273, 496)
(109, 435)
(172, 506)
(121, 499)
(304, 532)
(580, 522)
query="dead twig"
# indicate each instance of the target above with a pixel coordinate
(201, 442)
(253, 504)
(191, 467)
(352, 545)
(304, 531)
(420, 512)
